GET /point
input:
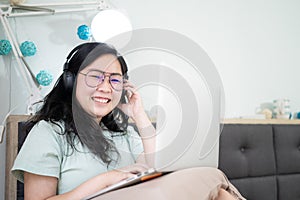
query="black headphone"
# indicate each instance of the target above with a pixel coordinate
(68, 76)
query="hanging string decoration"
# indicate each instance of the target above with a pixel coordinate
(5, 47)
(44, 78)
(28, 48)
(84, 32)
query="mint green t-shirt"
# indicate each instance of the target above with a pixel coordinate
(46, 152)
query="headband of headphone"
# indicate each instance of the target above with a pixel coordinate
(71, 54)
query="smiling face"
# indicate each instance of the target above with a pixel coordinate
(102, 99)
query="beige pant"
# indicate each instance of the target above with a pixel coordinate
(202, 183)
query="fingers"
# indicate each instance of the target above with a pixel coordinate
(130, 88)
(134, 169)
(126, 172)
(116, 176)
(128, 85)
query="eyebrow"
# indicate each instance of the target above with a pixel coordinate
(111, 73)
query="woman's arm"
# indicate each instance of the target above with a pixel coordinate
(38, 187)
(147, 133)
(135, 110)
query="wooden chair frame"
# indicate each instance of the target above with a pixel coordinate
(12, 131)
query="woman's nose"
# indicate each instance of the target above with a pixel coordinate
(104, 85)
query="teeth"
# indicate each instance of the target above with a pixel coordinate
(100, 100)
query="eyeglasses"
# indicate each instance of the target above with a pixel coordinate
(95, 77)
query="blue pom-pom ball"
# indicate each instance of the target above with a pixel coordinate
(5, 47)
(44, 78)
(298, 115)
(28, 48)
(84, 32)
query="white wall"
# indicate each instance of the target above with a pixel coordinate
(255, 46)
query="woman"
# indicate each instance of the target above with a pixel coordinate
(80, 141)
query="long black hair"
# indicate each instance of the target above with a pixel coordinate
(61, 107)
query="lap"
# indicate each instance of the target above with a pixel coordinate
(194, 183)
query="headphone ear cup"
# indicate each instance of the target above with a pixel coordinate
(68, 78)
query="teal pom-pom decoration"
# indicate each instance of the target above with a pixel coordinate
(28, 48)
(84, 32)
(298, 115)
(44, 78)
(5, 47)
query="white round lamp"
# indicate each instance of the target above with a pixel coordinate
(108, 24)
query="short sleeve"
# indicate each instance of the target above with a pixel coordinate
(41, 152)
(135, 142)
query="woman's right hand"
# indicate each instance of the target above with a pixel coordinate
(115, 176)
(134, 169)
(120, 174)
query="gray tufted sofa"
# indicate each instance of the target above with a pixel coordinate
(262, 160)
